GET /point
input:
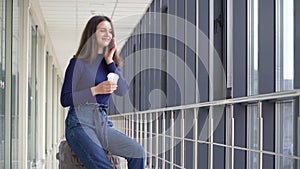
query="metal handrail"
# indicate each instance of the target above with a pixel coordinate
(126, 124)
(239, 100)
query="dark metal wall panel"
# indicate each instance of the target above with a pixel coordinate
(203, 80)
(297, 44)
(240, 131)
(240, 48)
(203, 26)
(171, 48)
(296, 65)
(190, 57)
(203, 136)
(266, 67)
(180, 51)
(268, 114)
(266, 46)
(240, 77)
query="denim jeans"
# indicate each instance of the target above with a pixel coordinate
(88, 133)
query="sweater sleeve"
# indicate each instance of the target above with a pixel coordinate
(123, 86)
(69, 97)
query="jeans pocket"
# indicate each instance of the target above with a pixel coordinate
(72, 121)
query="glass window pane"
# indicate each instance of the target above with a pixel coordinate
(285, 134)
(285, 45)
(16, 47)
(252, 136)
(253, 47)
(2, 81)
(287, 163)
(32, 99)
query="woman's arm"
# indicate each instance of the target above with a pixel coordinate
(69, 97)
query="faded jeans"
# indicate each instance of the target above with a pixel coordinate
(89, 133)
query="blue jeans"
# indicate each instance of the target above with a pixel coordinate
(88, 133)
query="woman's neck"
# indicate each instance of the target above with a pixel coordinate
(100, 50)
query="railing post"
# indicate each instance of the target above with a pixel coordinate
(137, 127)
(150, 140)
(210, 137)
(141, 128)
(195, 153)
(132, 125)
(260, 141)
(145, 133)
(172, 140)
(232, 137)
(298, 163)
(182, 138)
(126, 125)
(163, 140)
(157, 136)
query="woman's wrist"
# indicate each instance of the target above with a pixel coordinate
(109, 61)
(93, 90)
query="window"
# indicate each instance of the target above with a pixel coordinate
(252, 47)
(16, 55)
(32, 98)
(285, 114)
(2, 82)
(252, 88)
(284, 45)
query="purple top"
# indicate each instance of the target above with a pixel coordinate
(81, 75)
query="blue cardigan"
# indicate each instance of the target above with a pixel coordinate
(81, 75)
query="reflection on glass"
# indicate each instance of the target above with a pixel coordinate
(285, 137)
(287, 163)
(252, 89)
(31, 99)
(285, 45)
(285, 115)
(253, 162)
(252, 136)
(15, 83)
(252, 47)
(2, 82)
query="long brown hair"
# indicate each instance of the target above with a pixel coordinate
(88, 47)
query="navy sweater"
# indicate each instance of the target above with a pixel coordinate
(81, 75)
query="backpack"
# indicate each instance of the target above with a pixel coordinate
(68, 159)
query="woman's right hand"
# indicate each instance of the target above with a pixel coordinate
(105, 87)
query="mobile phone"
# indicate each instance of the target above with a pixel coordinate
(111, 44)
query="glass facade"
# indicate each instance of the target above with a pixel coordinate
(255, 43)
(22, 92)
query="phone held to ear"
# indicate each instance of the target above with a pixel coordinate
(111, 44)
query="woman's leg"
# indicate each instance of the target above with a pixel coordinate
(121, 145)
(85, 144)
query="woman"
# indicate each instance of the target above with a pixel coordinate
(86, 91)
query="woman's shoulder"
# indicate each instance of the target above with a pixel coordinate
(76, 60)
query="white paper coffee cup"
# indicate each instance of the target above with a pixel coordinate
(113, 77)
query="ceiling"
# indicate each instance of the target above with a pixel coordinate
(66, 19)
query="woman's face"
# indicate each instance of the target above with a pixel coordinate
(104, 33)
